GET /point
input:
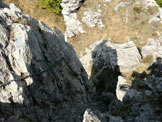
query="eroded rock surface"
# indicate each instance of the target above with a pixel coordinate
(125, 55)
(135, 97)
(90, 116)
(73, 25)
(153, 48)
(93, 19)
(41, 78)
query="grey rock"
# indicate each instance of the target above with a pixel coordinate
(87, 58)
(153, 47)
(148, 93)
(157, 16)
(93, 19)
(121, 5)
(108, 97)
(120, 93)
(124, 90)
(70, 6)
(14, 8)
(14, 119)
(115, 119)
(112, 56)
(104, 62)
(107, 0)
(130, 53)
(146, 115)
(69, 11)
(159, 86)
(73, 25)
(41, 78)
(89, 116)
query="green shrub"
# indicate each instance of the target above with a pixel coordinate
(51, 5)
(159, 2)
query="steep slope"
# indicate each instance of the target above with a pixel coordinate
(41, 78)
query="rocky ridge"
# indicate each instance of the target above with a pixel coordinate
(41, 78)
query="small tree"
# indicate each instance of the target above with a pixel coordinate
(51, 5)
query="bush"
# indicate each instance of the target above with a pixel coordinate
(159, 2)
(51, 5)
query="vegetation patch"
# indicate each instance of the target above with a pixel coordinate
(51, 5)
(137, 9)
(159, 2)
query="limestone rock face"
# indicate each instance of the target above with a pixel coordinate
(153, 48)
(125, 55)
(128, 56)
(105, 61)
(93, 19)
(41, 78)
(73, 25)
(123, 91)
(89, 116)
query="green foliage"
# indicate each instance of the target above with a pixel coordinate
(51, 5)
(159, 2)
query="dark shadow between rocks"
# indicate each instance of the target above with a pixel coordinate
(105, 69)
(104, 78)
(141, 97)
(142, 100)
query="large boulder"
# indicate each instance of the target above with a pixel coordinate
(101, 49)
(128, 56)
(105, 60)
(41, 78)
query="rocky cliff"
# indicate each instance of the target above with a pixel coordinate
(41, 78)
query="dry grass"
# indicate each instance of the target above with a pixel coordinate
(130, 24)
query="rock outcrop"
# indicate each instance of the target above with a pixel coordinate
(129, 51)
(73, 25)
(153, 48)
(107, 60)
(41, 78)
(93, 19)
(142, 95)
(137, 99)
